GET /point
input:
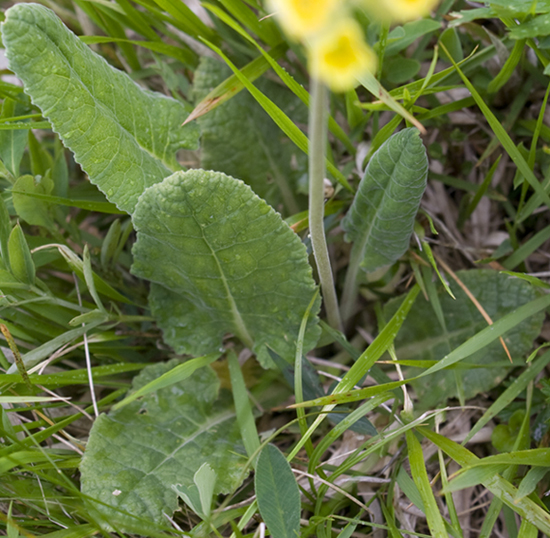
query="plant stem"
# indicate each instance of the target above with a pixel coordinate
(318, 106)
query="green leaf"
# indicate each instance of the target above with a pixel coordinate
(230, 264)
(497, 485)
(33, 210)
(398, 70)
(133, 133)
(281, 119)
(277, 494)
(177, 374)
(5, 231)
(241, 140)
(420, 477)
(451, 40)
(12, 142)
(402, 36)
(422, 337)
(136, 454)
(381, 219)
(21, 262)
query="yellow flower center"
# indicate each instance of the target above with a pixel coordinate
(339, 55)
(343, 54)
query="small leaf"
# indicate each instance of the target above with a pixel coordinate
(33, 210)
(21, 262)
(381, 219)
(134, 133)
(451, 40)
(277, 494)
(137, 453)
(530, 481)
(205, 480)
(230, 264)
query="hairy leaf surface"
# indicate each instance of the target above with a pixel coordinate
(124, 137)
(381, 219)
(422, 337)
(137, 453)
(240, 139)
(228, 264)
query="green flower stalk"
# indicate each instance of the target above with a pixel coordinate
(317, 144)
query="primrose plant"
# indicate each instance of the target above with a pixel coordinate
(219, 259)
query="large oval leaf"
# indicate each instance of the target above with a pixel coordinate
(223, 261)
(423, 337)
(137, 453)
(124, 137)
(381, 219)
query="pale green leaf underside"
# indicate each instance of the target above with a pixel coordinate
(381, 219)
(124, 137)
(136, 454)
(241, 140)
(422, 337)
(222, 261)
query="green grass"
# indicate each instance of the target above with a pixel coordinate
(413, 422)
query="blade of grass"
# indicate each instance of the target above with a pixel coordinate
(497, 485)
(278, 116)
(365, 362)
(175, 375)
(523, 252)
(420, 477)
(243, 409)
(490, 334)
(503, 137)
(100, 207)
(265, 28)
(511, 393)
(298, 384)
(339, 429)
(232, 86)
(291, 84)
(372, 84)
(186, 20)
(185, 55)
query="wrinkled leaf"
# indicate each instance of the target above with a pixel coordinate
(134, 133)
(241, 140)
(277, 494)
(381, 219)
(229, 264)
(422, 337)
(136, 454)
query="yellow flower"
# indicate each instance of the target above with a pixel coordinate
(401, 10)
(303, 18)
(339, 55)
